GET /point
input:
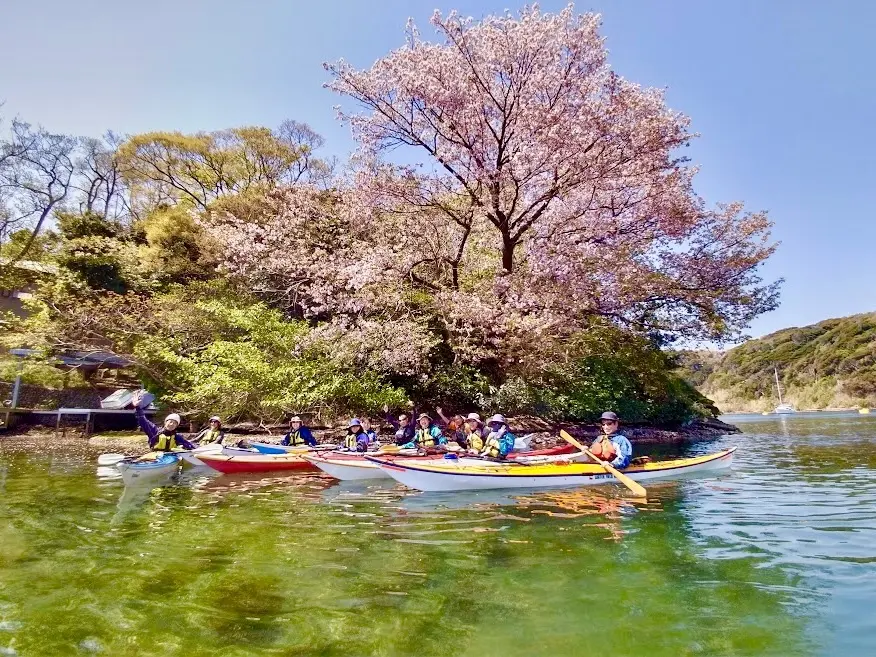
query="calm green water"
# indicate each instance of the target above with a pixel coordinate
(776, 558)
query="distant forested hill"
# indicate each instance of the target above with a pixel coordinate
(831, 364)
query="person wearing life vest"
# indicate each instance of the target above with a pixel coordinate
(473, 430)
(356, 439)
(455, 430)
(500, 440)
(212, 434)
(612, 446)
(298, 434)
(164, 438)
(427, 433)
(404, 432)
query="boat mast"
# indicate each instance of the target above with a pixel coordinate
(778, 387)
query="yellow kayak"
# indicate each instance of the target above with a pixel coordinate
(450, 477)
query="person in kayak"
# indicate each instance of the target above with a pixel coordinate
(298, 434)
(428, 434)
(500, 440)
(212, 434)
(164, 438)
(371, 433)
(474, 433)
(612, 446)
(455, 429)
(404, 432)
(356, 439)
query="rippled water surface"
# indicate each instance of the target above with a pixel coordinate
(777, 557)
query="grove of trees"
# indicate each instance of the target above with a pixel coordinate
(542, 242)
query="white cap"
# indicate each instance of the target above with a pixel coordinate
(173, 416)
(474, 417)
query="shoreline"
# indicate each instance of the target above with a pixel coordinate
(545, 434)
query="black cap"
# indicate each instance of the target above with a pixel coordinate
(608, 415)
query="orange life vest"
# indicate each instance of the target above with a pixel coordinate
(604, 449)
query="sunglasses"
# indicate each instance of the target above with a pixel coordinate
(606, 423)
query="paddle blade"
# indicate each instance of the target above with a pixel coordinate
(109, 459)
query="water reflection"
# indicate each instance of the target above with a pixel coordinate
(773, 558)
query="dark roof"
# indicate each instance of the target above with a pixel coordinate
(84, 359)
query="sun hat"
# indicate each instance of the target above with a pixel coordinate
(173, 416)
(497, 419)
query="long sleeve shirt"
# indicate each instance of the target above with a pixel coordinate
(152, 430)
(403, 435)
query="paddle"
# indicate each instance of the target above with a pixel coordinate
(637, 489)
(110, 459)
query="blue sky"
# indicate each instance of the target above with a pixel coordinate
(782, 91)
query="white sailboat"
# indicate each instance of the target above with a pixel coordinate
(782, 408)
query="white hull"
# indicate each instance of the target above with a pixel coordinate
(135, 474)
(785, 409)
(191, 457)
(355, 470)
(453, 478)
(349, 471)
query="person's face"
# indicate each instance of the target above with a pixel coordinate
(424, 422)
(403, 421)
(366, 425)
(609, 426)
(214, 424)
(471, 425)
(495, 426)
(295, 426)
(171, 425)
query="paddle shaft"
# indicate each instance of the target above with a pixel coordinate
(637, 489)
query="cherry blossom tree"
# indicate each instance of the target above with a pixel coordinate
(533, 147)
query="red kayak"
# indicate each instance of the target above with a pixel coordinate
(257, 463)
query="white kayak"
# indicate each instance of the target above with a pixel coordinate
(452, 477)
(356, 467)
(162, 465)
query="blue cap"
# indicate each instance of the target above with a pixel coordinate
(354, 423)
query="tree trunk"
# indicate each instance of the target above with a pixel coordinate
(508, 252)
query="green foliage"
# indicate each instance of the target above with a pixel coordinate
(38, 373)
(250, 363)
(95, 253)
(610, 369)
(178, 250)
(829, 364)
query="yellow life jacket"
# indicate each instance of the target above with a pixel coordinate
(475, 440)
(424, 437)
(295, 438)
(211, 436)
(493, 447)
(165, 443)
(351, 441)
